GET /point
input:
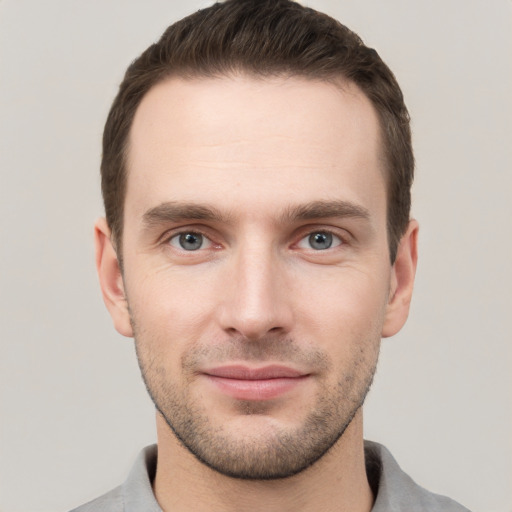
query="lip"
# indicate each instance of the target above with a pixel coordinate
(244, 383)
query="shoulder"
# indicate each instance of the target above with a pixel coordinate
(396, 491)
(112, 501)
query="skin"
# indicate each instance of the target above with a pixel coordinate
(256, 166)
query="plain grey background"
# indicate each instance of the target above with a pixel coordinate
(74, 412)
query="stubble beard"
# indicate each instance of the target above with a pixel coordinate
(276, 452)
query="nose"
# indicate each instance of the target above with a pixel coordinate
(256, 300)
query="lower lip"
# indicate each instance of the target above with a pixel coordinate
(264, 389)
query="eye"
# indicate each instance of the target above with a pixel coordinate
(320, 241)
(189, 241)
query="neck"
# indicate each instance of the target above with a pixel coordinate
(337, 482)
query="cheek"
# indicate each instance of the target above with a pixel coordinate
(172, 308)
(348, 295)
(345, 313)
(164, 290)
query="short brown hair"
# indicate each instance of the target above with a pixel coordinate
(263, 38)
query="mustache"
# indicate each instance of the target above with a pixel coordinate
(275, 349)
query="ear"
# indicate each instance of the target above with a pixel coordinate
(111, 279)
(402, 281)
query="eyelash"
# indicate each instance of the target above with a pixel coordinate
(322, 232)
(175, 234)
(342, 239)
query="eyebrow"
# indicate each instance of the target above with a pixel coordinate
(325, 209)
(174, 211)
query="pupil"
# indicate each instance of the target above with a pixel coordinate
(320, 240)
(191, 241)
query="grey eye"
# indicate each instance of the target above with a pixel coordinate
(320, 241)
(188, 241)
(191, 241)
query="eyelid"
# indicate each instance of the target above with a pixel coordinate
(166, 237)
(303, 232)
(206, 243)
(342, 234)
(337, 240)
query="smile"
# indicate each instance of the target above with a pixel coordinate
(243, 383)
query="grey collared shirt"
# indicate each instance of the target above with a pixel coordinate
(395, 491)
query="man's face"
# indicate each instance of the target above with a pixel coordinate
(256, 265)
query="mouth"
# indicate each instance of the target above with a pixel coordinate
(244, 383)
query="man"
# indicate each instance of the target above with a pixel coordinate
(256, 174)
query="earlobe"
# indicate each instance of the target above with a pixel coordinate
(402, 281)
(111, 279)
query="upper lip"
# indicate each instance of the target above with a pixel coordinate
(241, 372)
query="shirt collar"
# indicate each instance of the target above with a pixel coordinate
(137, 489)
(393, 489)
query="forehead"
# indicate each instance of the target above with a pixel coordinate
(251, 140)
